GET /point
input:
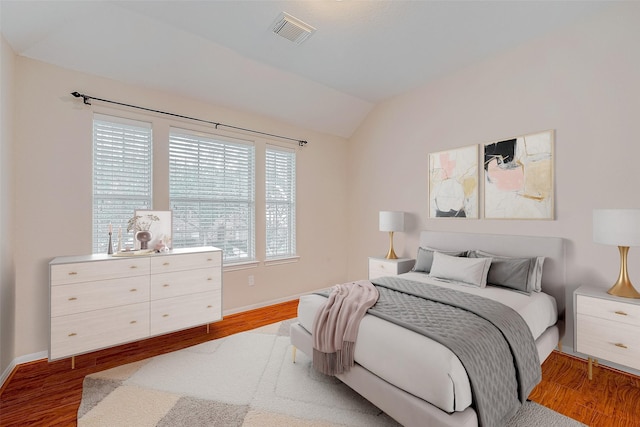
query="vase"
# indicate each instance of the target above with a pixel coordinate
(144, 237)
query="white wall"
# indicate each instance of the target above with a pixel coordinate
(583, 82)
(7, 282)
(53, 197)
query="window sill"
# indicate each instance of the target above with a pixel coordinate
(245, 265)
(285, 260)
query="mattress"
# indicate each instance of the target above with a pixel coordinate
(418, 365)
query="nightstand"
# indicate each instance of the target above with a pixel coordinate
(607, 327)
(379, 267)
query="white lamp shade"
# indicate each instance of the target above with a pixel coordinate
(391, 221)
(618, 227)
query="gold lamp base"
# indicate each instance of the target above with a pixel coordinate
(623, 287)
(391, 254)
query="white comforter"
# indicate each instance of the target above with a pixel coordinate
(419, 365)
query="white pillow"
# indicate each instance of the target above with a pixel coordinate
(468, 270)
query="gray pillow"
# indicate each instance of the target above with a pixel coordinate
(519, 274)
(424, 259)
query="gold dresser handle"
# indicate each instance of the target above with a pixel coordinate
(133, 266)
(209, 306)
(73, 299)
(72, 273)
(165, 263)
(618, 344)
(132, 322)
(209, 278)
(133, 290)
(72, 334)
(621, 313)
(165, 315)
(166, 285)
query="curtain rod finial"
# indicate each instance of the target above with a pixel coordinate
(85, 98)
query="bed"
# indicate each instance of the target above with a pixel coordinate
(436, 390)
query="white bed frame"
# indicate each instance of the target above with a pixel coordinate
(411, 411)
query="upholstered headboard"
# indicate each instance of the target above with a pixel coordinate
(552, 248)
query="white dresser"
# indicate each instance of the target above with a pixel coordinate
(379, 267)
(99, 301)
(607, 327)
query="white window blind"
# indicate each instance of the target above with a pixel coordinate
(122, 176)
(212, 193)
(280, 181)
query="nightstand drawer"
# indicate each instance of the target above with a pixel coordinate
(379, 267)
(610, 340)
(607, 309)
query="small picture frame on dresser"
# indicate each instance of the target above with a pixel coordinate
(161, 229)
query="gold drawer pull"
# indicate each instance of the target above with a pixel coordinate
(621, 313)
(133, 290)
(165, 315)
(209, 306)
(73, 299)
(620, 345)
(166, 285)
(133, 266)
(72, 273)
(165, 263)
(132, 322)
(209, 278)
(209, 259)
(72, 334)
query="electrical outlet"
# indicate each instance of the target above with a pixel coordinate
(251, 280)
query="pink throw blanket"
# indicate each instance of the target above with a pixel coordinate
(335, 327)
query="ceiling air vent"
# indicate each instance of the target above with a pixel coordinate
(292, 28)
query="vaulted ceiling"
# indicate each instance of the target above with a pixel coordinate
(225, 52)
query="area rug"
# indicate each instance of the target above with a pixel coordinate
(247, 380)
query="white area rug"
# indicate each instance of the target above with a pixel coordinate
(246, 380)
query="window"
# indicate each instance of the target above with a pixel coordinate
(212, 193)
(280, 182)
(122, 176)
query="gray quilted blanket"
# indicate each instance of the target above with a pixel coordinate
(491, 340)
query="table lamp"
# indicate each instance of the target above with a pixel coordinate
(619, 227)
(391, 221)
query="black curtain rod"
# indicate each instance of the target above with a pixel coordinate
(87, 100)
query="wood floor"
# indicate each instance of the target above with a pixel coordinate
(48, 394)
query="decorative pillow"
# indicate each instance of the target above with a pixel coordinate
(468, 270)
(521, 274)
(424, 259)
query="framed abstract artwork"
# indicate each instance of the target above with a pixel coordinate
(518, 177)
(453, 183)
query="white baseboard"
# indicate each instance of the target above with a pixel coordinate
(20, 360)
(265, 303)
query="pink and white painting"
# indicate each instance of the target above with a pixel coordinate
(453, 183)
(518, 177)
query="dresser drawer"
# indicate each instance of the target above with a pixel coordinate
(164, 264)
(103, 270)
(81, 297)
(608, 309)
(185, 311)
(607, 339)
(177, 283)
(83, 332)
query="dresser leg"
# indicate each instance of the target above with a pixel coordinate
(590, 367)
(207, 328)
(560, 346)
(73, 362)
(294, 354)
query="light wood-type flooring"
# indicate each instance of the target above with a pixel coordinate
(48, 394)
